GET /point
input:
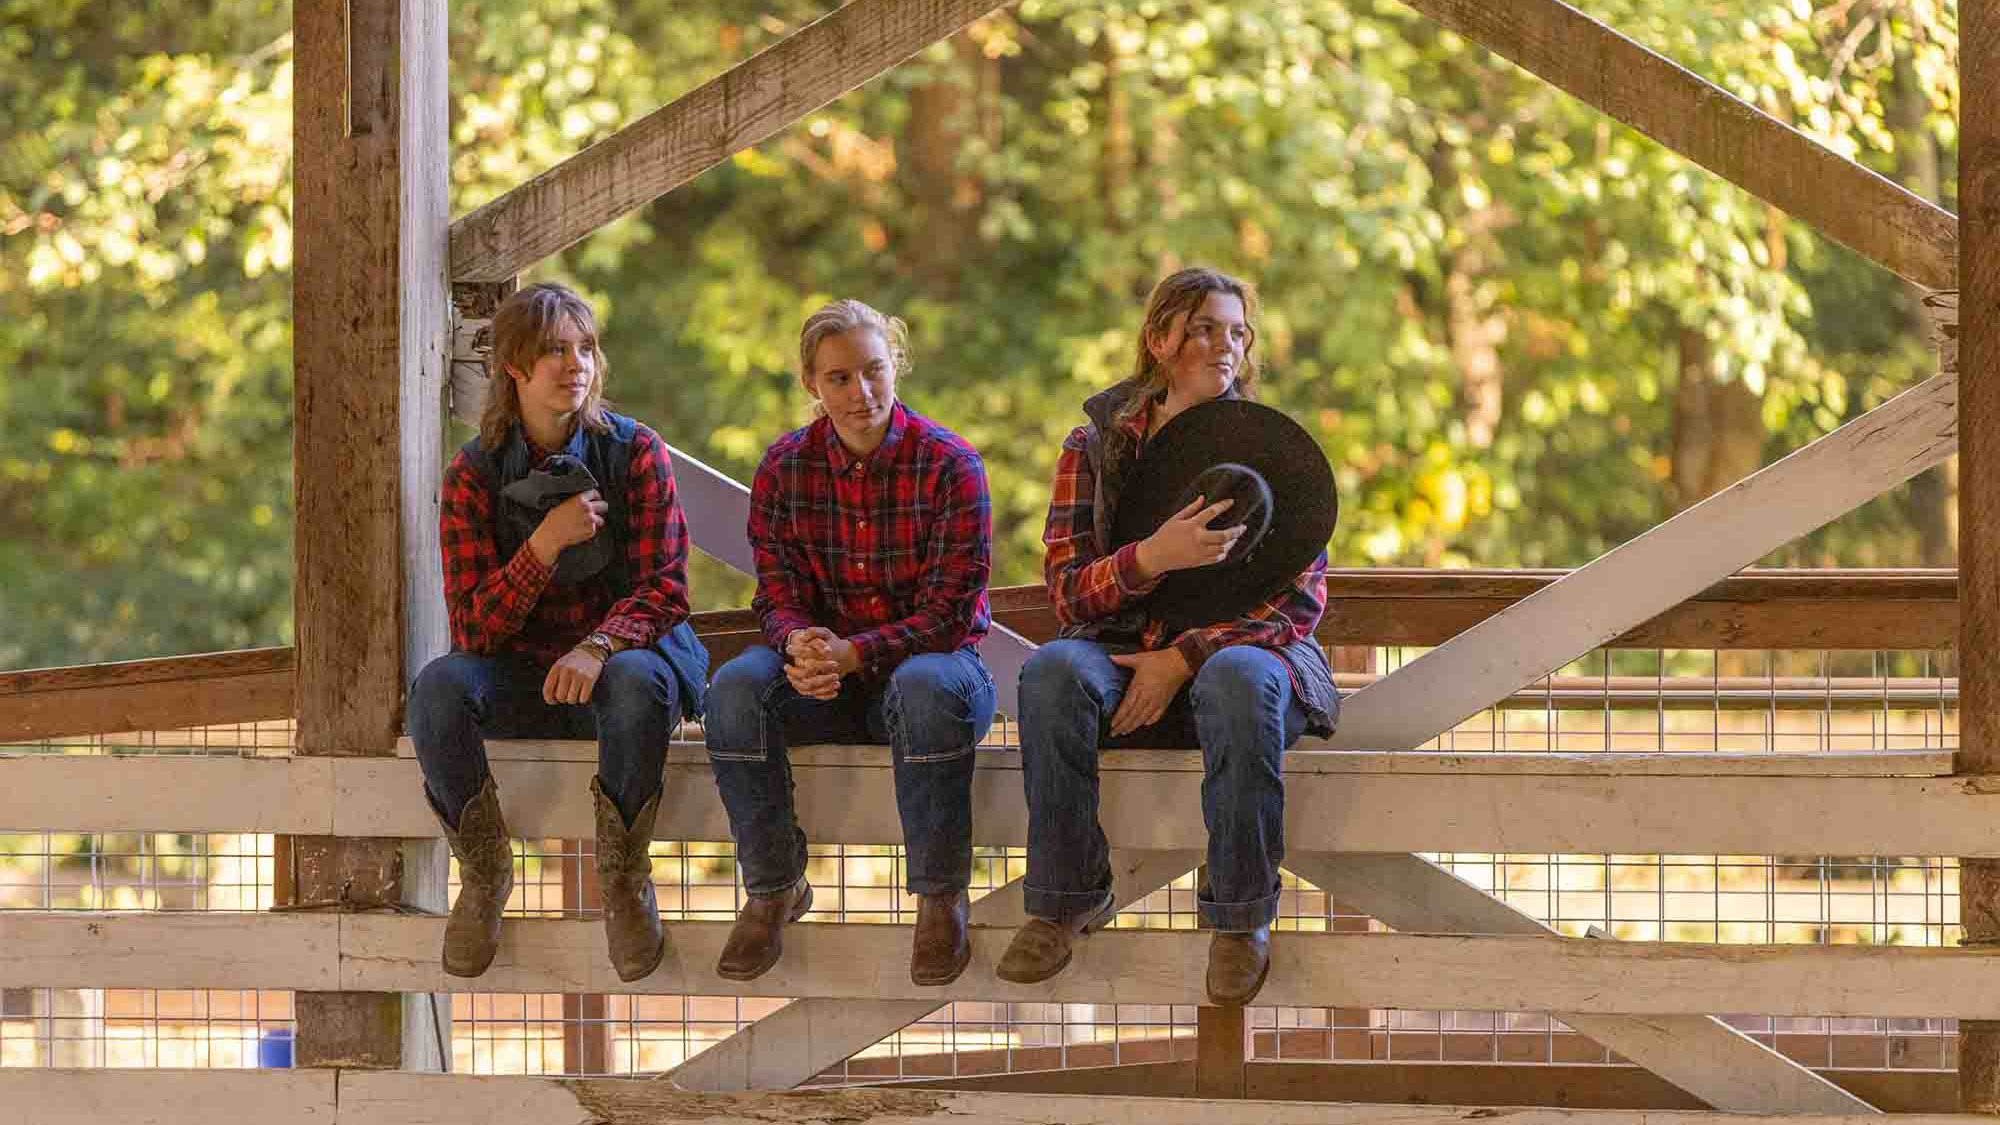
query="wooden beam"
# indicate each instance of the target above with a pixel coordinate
(371, 314)
(804, 1038)
(1696, 1052)
(1414, 971)
(395, 1099)
(78, 949)
(1895, 228)
(725, 115)
(1657, 570)
(51, 1096)
(91, 793)
(1219, 1057)
(1433, 1083)
(848, 801)
(1125, 1080)
(398, 953)
(1571, 1087)
(1305, 757)
(145, 695)
(1978, 348)
(285, 1097)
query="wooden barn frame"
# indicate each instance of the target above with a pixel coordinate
(389, 291)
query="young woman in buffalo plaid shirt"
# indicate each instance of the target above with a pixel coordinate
(873, 538)
(1241, 690)
(565, 577)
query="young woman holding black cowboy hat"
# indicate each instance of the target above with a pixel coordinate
(1186, 561)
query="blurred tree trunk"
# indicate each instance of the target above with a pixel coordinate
(959, 102)
(1718, 427)
(1934, 495)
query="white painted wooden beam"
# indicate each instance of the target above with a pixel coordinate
(807, 1036)
(846, 796)
(50, 1096)
(1699, 1053)
(1656, 571)
(399, 953)
(166, 794)
(83, 949)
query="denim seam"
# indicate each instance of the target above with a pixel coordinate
(942, 755)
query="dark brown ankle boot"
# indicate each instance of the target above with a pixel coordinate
(940, 948)
(485, 880)
(758, 938)
(632, 929)
(1237, 965)
(1041, 948)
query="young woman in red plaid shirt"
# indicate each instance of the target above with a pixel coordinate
(873, 537)
(565, 575)
(1241, 690)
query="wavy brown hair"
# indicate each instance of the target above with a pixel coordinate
(1178, 294)
(522, 327)
(847, 315)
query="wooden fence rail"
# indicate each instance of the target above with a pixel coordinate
(1820, 609)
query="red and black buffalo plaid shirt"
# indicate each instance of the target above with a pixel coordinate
(508, 606)
(891, 551)
(1085, 585)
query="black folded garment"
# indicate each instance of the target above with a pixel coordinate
(528, 499)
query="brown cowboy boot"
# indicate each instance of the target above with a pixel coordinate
(1041, 948)
(757, 939)
(485, 880)
(1237, 965)
(632, 927)
(940, 949)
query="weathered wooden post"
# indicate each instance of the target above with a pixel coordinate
(371, 326)
(1978, 349)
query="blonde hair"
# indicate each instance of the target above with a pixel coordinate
(1179, 293)
(522, 327)
(848, 315)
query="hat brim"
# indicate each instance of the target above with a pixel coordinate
(1304, 507)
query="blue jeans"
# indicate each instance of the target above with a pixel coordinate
(461, 699)
(1240, 709)
(933, 710)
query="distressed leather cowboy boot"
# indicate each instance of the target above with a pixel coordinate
(1041, 948)
(1237, 965)
(632, 929)
(939, 947)
(485, 880)
(758, 938)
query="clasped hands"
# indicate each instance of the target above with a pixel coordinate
(815, 660)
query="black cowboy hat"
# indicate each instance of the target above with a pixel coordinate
(1283, 488)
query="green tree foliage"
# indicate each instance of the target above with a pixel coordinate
(1523, 332)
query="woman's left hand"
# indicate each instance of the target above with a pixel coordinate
(573, 678)
(1156, 678)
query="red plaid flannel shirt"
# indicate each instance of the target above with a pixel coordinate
(891, 551)
(1085, 585)
(507, 605)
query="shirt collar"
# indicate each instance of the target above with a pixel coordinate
(842, 459)
(536, 454)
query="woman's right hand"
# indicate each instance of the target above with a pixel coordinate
(575, 520)
(1186, 540)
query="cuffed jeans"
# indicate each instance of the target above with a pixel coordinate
(461, 699)
(933, 710)
(1240, 709)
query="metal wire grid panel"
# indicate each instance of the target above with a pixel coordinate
(1661, 700)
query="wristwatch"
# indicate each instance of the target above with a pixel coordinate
(600, 644)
